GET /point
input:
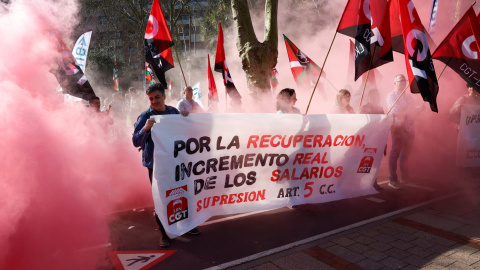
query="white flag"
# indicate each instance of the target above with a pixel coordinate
(197, 94)
(80, 50)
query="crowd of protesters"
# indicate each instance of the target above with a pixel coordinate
(120, 111)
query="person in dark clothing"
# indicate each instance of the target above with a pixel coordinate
(142, 138)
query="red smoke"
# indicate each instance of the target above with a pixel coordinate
(60, 170)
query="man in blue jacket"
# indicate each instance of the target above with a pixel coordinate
(142, 138)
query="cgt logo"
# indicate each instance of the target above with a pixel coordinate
(365, 164)
(177, 209)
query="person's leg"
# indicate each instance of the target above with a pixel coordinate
(405, 155)
(164, 238)
(393, 158)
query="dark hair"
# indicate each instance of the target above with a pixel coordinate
(155, 87)
(92, 99)
(282, 98)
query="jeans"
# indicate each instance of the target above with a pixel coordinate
(160, 226)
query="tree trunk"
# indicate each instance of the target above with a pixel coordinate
(257, 58)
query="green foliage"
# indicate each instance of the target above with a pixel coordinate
(218, 11)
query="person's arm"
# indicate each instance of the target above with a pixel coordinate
(140, 134)
(457, 107)
(391, 98)
(456, 110)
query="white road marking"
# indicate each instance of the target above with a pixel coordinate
(377, 200)
(234, 217)
(418, 186)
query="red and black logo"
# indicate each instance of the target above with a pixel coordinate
(177, 208)
(365, 164)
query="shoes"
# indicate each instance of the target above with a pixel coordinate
(293, 207)
(194, 231)
(164, 242)
(377, 187)
(394, 185)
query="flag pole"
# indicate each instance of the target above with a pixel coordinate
(321, 71)
(366, 78)
(331, 83)
(398, 98)
(438, 78)
(180, 64)
(443, 70)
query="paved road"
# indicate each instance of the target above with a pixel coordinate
(285, 238)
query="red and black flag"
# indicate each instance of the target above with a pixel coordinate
(370, 28)
(304, 70)
(460, 49)
(158, 43)
(373, 77)
(221, 66)
(381, 39)
(212, 88)
(396, 28)
(69, 75)
(420, 69)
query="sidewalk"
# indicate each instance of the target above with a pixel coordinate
(445, 234)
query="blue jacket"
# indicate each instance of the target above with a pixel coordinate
(143, 139)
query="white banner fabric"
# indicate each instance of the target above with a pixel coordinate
(468, 143)
(218, 164)
(80, 50)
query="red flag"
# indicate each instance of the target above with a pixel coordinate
(158, 43)
(356, 12)
(221, 66)
(396, 28)
(420, 69)
(459, 50)
(368, 22)
(381, 33)
(304, 70)
(212, 88)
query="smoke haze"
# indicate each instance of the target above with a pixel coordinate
(61, 170)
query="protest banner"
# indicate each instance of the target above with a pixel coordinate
(468, 143)
(217, 164)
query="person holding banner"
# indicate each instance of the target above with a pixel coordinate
(473, 97)
(286, 100)
(402, 129)
(372, 107)
(188, 105)
(342, 103)
(142, 138)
